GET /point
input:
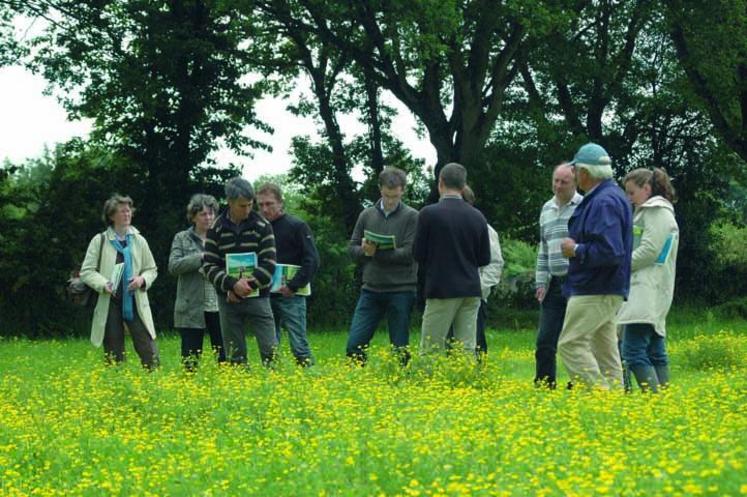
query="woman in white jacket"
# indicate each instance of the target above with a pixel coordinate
(655, 243)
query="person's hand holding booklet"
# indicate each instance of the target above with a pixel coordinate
(382, 242)
(116, 277)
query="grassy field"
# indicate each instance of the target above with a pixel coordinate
(71, 426)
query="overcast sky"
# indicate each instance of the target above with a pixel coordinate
(31, 120)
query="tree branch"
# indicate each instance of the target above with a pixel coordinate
(703, 89)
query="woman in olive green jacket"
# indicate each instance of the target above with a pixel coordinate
(196, 307)
(122, 296)
(655, 244)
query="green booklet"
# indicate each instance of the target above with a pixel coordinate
(283, 274)
(382, 242)
(243, 265)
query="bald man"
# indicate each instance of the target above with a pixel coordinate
(552, 268)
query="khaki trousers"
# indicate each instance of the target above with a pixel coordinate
(438, 317)
(588, 341)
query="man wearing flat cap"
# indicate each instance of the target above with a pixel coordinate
(599, 248)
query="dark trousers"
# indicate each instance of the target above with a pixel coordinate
(253, 313)
(114, 337)
(370, 310)
(552, 314)
(480, 341)
(192, 339)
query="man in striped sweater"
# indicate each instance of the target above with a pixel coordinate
(552, 267)
(239, 230)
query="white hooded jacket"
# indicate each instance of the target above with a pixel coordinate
(655, 244)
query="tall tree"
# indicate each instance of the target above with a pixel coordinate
(580, 75)
(643, 114)
(291, 53)
(710, 38)
(285, 49)
(161, 80)
(448, 62)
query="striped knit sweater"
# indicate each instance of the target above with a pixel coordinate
(553, 228)
(254, 234)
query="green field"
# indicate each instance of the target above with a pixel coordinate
(71, 426)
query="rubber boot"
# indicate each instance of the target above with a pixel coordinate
(662, 373)
(646, 377)
(627, 381)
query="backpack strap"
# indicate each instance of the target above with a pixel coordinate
(101, 249)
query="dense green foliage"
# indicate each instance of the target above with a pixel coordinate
(509, 89)
(710, 42)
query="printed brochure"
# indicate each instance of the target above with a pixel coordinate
(242, 264)
(283, 274)
(382, 242)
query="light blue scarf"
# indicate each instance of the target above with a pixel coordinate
(127, 296)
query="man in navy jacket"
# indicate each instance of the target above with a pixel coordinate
(295, 246)
(599, 247)
(451, 243)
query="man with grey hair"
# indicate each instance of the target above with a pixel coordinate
(451, 244)
(389, 272)
(551, 271)
(241, 230)
(599, 248)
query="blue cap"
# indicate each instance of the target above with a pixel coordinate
(592, 155)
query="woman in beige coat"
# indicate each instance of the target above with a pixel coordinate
(655, 243)
(126, 269)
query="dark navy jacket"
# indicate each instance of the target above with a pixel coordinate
(602, 226)
(295, 245)
(451, 242)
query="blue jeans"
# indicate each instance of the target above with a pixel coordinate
(290, 313)
(371, 308)
(642, 346)
(552, 314)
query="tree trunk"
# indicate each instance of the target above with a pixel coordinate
(349, 206)
(374, 132)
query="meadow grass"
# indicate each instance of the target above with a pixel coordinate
(69, 425)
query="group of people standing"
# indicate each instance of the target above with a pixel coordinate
(458, 254)
(601, 268)
(208, 300)
(605, 274)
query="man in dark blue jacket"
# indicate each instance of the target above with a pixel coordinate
(599, 247)
(451, 243)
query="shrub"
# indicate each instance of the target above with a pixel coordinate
(516, 288)
(721, 351)
(730, 241)
(733, 309)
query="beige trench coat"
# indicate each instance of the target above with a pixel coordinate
(143, 265)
